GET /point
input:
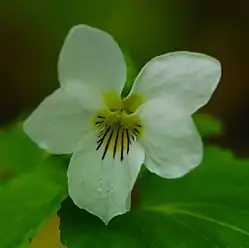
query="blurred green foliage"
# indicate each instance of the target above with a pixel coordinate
(18, 153)
(208, 125)
(29, 200)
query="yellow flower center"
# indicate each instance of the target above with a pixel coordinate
(118, 125)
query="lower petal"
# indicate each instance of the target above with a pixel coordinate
(171, 142)
(103, 186)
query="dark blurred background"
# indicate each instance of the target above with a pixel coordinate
(32, 32)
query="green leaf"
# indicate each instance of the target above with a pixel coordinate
(208, 208)
(29, 200)
(207, 125)
(18, 153)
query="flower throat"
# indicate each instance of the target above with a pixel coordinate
(118, 126)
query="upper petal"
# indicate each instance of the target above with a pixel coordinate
(171, 142)
(185, 78)
(103, 187)
(62, 118)
(91, 56)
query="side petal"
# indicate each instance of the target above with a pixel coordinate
(172, 144)
(184, 78)
(103, 187)
(91, 56)
(62, 118)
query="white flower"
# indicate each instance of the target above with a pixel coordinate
(110, 137)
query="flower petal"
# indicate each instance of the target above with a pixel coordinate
(172, 144)
(103, 187)
(62, 118)
(187, 79)
(91, 56)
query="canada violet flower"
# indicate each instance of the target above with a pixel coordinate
(110, 137)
